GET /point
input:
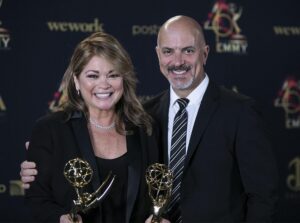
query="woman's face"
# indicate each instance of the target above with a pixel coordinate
(100, 85)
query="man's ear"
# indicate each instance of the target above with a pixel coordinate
(205, 53)
(158, 51)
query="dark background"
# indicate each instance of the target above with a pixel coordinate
(35, 58)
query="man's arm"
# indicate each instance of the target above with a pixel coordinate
(257, 164)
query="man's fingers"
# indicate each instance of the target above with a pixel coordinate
(27, 179)
(28, 172)
(28, 165)
(25, 186)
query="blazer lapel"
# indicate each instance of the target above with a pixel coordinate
(84, 143)
(207, 108)
(134, 171)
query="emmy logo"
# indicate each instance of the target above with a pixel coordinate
(293, 180)
(79, 173)
(159, 179)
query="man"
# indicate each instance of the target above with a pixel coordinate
(228, 171)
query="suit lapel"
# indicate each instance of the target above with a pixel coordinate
(162, 116)
(134, 171)
(207, 108)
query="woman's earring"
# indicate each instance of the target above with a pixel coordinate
(78, 92)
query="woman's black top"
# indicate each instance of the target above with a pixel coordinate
(113, 206)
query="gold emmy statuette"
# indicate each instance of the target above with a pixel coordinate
(79, 173)
(159, 179)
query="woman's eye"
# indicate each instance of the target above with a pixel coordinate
(93, 76)
(113, 76)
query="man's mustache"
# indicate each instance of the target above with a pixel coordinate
(179, 68)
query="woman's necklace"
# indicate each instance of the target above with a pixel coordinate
(102, 127)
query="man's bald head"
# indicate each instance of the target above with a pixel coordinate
(183, 23)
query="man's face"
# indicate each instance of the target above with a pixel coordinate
(181, 55)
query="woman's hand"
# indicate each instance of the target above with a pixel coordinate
(66, 218)
(148, 220)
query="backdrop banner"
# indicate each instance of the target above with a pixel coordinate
(254, 49)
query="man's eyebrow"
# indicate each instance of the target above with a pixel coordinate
(187, 47)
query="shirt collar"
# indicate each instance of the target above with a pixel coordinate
(195, 97)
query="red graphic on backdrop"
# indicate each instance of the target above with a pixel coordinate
(222, 20)
(59, 97)
(289, 99)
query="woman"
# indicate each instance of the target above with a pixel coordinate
(103, 122)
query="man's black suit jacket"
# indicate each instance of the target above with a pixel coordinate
(230, 173)
(55, 141)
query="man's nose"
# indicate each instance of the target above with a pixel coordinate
(178, 59)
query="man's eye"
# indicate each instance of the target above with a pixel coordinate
(189, 51)
(166, 52)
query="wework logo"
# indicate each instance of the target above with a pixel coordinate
(85, 27)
